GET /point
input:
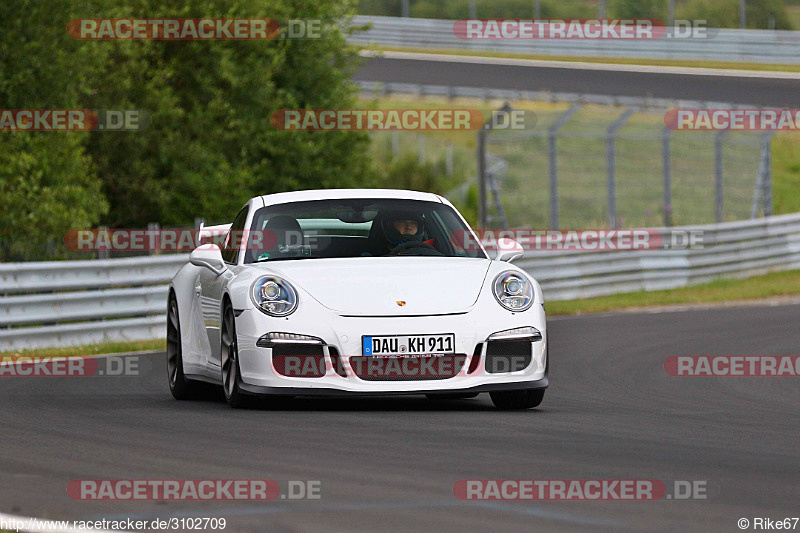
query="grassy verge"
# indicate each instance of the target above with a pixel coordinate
(766, 286)
(94, 349)
(730, 65)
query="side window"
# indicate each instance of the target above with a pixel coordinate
(233, 242)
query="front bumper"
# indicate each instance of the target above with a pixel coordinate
(472, 329)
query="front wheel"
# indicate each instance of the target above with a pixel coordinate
(229, 359)
(180, 387)
(517, 399)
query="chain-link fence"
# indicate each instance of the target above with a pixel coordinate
(605, 166)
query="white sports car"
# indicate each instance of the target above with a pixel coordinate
(355, 291)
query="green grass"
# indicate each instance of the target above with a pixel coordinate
(94, 349)
(732, 65)
(758, 287)
(794, 15)
(786, 172)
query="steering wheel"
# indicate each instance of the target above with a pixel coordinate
(414, 248)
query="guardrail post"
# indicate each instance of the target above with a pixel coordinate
(666, 164)
(552, 151)
(611, 149)
(719, 197)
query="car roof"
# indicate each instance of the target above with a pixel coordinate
(336, 194)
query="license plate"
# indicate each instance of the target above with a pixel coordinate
(387, 345)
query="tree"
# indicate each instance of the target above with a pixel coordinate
(47, 181)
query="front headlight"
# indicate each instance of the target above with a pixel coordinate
(513, 291)
(274, 296)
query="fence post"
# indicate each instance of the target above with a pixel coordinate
(666, 164)
(448, 159)
(421, 149)
(104, 254)
(719, 197)
(483, 210)
(153, 237)
(611, 149)
(482, 178)
(766, 182)
(552, 150)
(395, 143)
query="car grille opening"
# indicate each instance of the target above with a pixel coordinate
(298, 360)
(337, 361)
(508, 356)
(407, 368)
(476, 359)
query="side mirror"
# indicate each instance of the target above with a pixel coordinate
(508, 250)
(208, 256)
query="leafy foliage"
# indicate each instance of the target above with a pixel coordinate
(209, 145)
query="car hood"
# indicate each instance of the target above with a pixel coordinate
(388, 286)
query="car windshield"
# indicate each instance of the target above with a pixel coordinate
(358, 228)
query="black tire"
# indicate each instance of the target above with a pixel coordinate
(517, 399)
(180, 387)
(229, 360)
(452, 396)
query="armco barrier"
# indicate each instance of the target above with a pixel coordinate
(64, 303)
(67, 303)
(758, 46)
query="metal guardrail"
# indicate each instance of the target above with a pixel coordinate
(64, 303)
(759, 46)
(731, 249)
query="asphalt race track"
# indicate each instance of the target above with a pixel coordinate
(753, 89)
(612, 412)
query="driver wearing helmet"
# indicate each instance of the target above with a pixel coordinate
(402, 227)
